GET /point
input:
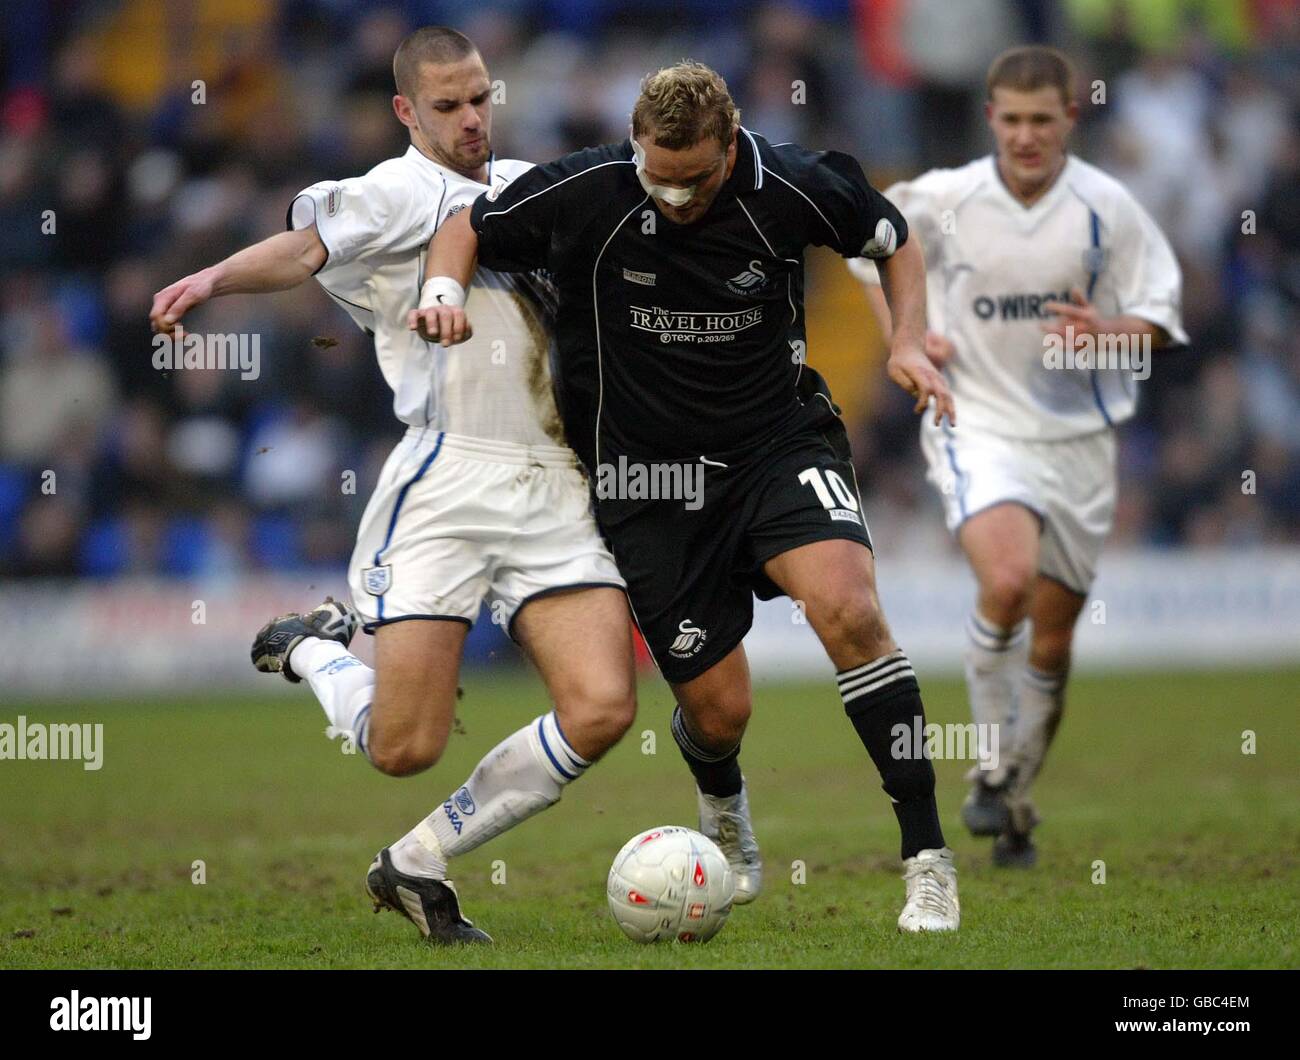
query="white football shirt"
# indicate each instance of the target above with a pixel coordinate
(376, 229)
(991, 264)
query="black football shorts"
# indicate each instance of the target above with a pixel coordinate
(693, 569)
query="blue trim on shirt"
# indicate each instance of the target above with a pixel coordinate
(1093, 275)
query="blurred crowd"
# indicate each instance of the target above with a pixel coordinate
(140, 141)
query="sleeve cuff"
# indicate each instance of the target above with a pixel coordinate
(301, 213)
(1162, 316)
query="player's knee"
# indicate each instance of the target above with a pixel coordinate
(597, 715)
(1006, 591)
(721, 723)
(853, 623)
(1050, 650)
(403, 755)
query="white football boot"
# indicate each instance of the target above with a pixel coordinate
(725, 820)
(931, 903)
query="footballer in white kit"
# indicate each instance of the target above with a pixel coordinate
(481, 501)
(1048, 288)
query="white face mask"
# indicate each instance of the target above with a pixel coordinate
(672, 196)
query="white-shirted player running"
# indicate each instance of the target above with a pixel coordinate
(1026, 250)
(481, 500)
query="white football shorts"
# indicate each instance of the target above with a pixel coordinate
(456, 521)
(1070, 483)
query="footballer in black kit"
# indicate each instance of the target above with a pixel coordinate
(680, 340)
(684, 344)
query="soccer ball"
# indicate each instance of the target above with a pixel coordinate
(670, 883)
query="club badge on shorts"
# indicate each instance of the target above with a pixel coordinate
(377, 580)
(690, 639)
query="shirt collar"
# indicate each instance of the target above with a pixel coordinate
(747, 175)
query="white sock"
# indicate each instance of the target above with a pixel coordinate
(521, 776)
(1042, 699)
(344, 685)
(994, 656)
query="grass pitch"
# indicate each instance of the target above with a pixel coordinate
(1200, 841)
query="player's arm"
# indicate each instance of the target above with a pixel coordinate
(507, 229)
(939, 349)
(915, 200)
(902, 287)
(282, 261)
(1081, 317)
(1144, 279)
(453, 257)
(852, 217)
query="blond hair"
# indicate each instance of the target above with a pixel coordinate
(683, 104)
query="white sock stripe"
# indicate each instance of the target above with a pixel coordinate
(858, 693)
(870, 667)
(1044, 682)
(856, 683)
(985, 640)
(578, 761)
(989, 629)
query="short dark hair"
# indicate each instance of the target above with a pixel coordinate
(428, 44)
(1033, 67)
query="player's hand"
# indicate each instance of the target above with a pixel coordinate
(940, 350)
(445, 324)
(1078, 313)
(172, 303)
(909, 366)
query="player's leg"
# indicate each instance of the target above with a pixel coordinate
(1054, 611)
(1001, 544)
(417, 668)
(564, 598)
(991, 499)
(680, 563)
(398, 714)
(1078, 489)
(708, 723)
(417, 580)
(835, 582)
(581, 642)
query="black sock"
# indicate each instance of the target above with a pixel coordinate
(878, 696)
(716, 773)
